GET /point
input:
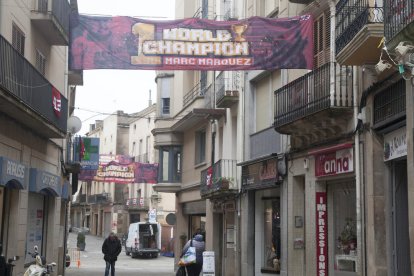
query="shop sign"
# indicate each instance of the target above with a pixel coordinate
(334, 163)
(12, 170)
(321, 235)
(395, 144)
(46, 182)
(261, 174)
(152, 216)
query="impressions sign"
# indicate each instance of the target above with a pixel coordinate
(190, 44)
(321, 235)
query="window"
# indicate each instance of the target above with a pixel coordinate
(203, 82)
(200, 149)
(18, 39)
(272, 246)
(165, 106)
(40, 62)
(169, 169)
(42, 6)
(204, 9)
(165, 96)
(321, 39)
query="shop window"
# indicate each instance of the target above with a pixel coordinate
(344, 222)
(271, 236)
(170, 164)
(36, 222)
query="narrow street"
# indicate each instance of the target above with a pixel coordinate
(92, 263)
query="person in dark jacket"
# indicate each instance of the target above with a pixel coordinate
(198, 243)
(111, 249)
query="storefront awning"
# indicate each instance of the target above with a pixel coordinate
(45, 183)
(13, 174)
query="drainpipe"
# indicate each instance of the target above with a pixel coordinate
(358, 185)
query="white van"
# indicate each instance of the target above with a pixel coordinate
(144, 239)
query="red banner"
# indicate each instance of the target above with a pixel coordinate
(190, 44)
(122, 170)
(321, 235)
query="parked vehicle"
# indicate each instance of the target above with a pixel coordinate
(6, 268)
(144, 239)
(40, 267)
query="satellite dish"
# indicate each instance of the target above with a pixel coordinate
(74, 124)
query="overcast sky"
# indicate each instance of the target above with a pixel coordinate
(106, 91)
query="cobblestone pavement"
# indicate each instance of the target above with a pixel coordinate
(92, 263)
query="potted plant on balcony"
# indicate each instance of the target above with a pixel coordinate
(81, 241)
(224, 182)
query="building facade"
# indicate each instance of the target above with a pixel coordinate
(36, 94)
(324, 156)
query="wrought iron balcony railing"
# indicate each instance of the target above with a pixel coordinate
(227, 89)
(28, 86)
(220, 179)
(99, 198)
(398, 14)
(140, 203)
(314, 92)
(199, 91)
(351, 17)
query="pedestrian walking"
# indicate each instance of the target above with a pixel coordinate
(199, 244)
(111, 249)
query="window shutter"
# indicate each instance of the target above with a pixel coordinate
(40, 62)
(321, 36)
(18, 39)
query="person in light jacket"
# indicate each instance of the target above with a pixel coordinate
(199, 244)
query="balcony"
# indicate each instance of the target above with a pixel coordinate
(51, 18)
(140, 204)
(220, 180)
(359, 30)
(199, 112)
(226, 94)
(316, 106)
(398, 22)
(26, 95)
(99, 198)
(198, 92)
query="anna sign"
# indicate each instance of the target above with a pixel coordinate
(190, 44)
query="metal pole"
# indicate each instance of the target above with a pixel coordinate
(359, 207)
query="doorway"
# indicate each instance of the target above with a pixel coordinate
(399, 209)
